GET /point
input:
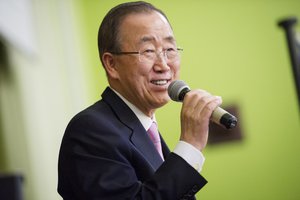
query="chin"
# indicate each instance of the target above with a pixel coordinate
(162, 102)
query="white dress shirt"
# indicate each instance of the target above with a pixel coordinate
(183, 149)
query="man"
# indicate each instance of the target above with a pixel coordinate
(107, 152)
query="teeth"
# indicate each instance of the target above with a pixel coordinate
(159, 82)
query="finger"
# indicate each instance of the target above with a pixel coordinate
(193, 97)
(211, 104)
(192, 102)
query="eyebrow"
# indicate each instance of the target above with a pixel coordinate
(151, 39)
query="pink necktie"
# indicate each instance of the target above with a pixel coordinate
(154, 136)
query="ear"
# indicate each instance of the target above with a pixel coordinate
(110, 65)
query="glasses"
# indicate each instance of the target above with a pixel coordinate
(151, 55)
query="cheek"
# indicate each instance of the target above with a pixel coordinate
(137, 74)
(129, 67)
(176, 69)
(176, 75)
(143, 70)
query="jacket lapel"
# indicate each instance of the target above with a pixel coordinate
(139, 136)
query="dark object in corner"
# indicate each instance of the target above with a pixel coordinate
(11, 187)
(288, 24)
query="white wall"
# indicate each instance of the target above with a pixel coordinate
(39, 94)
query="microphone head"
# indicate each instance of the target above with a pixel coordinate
(176, 89)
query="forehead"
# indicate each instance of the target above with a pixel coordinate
(141, 28)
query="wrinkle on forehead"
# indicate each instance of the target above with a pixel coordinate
(144, 28)
(144, 39)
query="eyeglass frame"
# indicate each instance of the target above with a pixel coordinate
(178, 49)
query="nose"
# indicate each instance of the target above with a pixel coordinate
(161, 64)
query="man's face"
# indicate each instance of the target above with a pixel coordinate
(143, 83)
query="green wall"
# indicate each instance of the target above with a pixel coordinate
(233, 49)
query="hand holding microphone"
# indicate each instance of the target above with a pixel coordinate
(199, 107)
(177, 91)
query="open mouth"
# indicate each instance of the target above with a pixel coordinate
(160, 82)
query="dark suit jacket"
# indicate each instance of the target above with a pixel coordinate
(106, 154)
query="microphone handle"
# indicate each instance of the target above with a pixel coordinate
(222, 117)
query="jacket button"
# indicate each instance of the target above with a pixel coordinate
(195, 188)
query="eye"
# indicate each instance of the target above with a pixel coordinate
(148, 51)
(170, 49)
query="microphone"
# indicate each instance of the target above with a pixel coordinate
(178, 89)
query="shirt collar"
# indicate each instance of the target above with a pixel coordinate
(144, 119)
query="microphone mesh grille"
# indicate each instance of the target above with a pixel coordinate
(175, 88)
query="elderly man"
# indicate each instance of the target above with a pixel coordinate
(112, 150)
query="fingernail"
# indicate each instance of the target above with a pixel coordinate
(219, 98)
